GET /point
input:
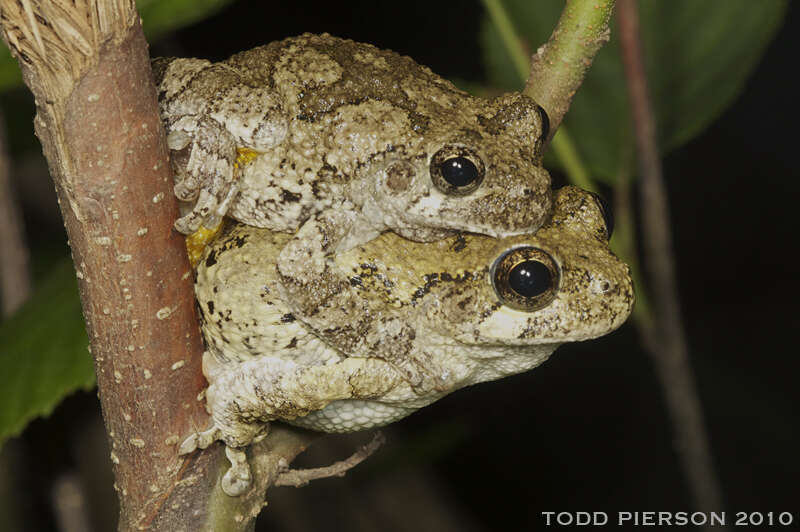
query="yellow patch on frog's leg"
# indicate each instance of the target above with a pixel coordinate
(197, 241)
(243, 157)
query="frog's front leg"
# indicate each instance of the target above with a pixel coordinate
(238, 477)
(323, 297)
(316, 290)
(244, 399)
(390, 338)
(203, 156)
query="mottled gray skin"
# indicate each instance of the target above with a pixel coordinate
(346, 135)
(265, 365)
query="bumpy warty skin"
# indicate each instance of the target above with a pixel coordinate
(334, 120)
(318, 312)
(264, 365)
(337, 141)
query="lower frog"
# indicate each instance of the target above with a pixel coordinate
(473, 307)
(335, 142)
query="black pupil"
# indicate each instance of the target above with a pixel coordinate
(530, 278)
(459, 171)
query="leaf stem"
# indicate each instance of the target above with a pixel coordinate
(562, 144)
(623, 241)
(15, 279)
(559, 66)
(511, 41)
(665, 338)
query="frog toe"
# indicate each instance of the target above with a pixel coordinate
(238, 479)
(186, 189)
(199, 440)
(188, 223)
(203, 213)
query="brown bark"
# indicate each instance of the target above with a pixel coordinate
(97, 120)
(134, 277)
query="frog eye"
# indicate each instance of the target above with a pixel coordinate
(605, 210)
(545, 121)
(525, 278)
(456, 170)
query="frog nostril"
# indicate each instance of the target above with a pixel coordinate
(600, 286)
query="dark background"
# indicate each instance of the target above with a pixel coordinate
(588, 430)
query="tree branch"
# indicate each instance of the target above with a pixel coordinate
(553, 79)
(268, 458)
(301, 477)
(97, 119)
(665, 338)
(559, 66)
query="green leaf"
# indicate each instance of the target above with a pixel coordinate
(43, 352)
(10, 75)
(161, 16)
(158, 18)
(697, 54)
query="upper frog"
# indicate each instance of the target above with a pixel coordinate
(337, 141)
(475, 308)
(330, 120)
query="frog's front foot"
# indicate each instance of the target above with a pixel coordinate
(203, 156)
(199, 440)
(209, 208)
(238, 479)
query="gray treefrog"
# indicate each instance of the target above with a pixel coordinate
(337, 141)
(476, 308)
